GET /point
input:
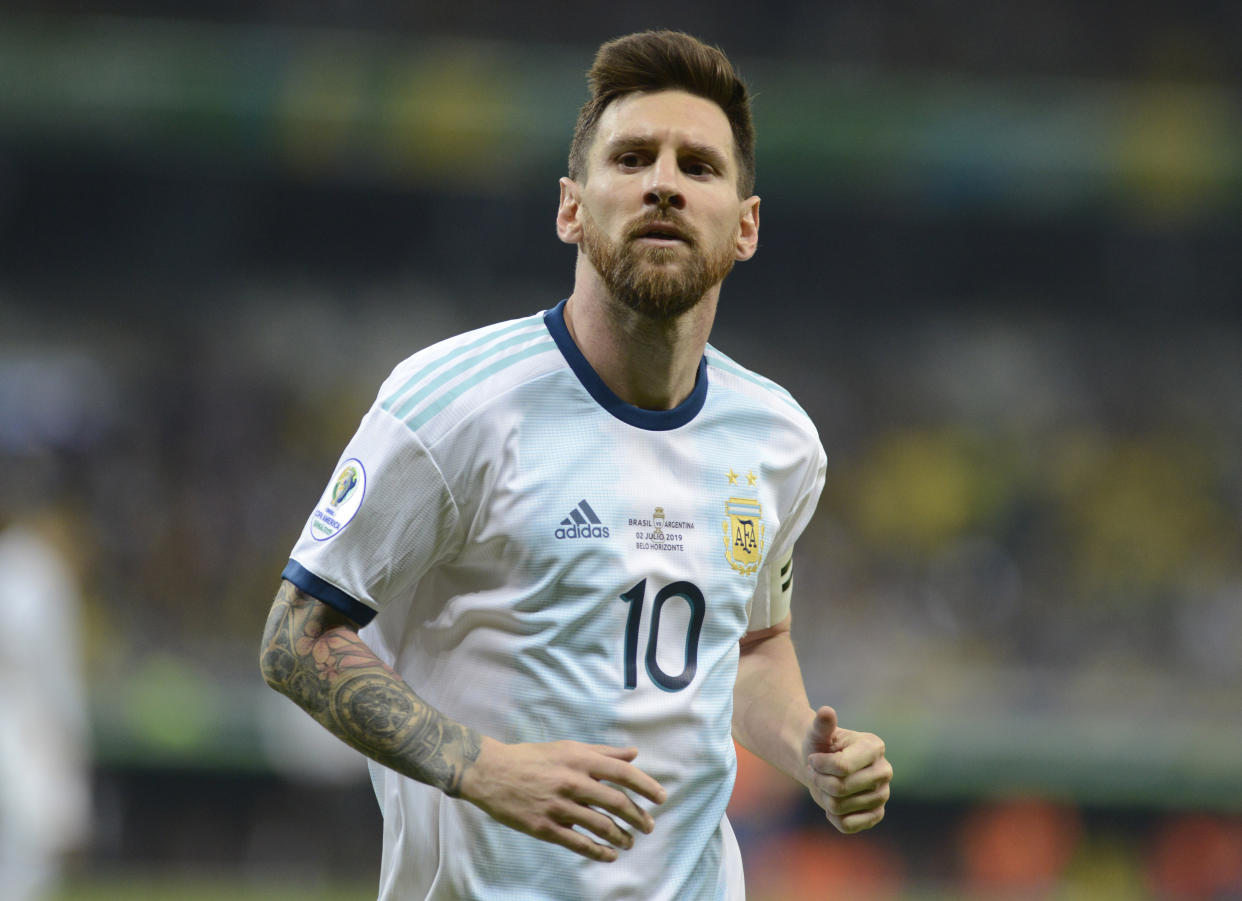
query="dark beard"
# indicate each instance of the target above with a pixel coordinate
(641, 278)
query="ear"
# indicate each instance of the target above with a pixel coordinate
(568, 221)
(748, 229)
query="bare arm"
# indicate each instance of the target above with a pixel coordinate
(313, 654)
(771, 712)
(845, 771)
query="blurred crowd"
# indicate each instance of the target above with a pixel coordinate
(1007, 493)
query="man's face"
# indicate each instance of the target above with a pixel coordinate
(660, 218)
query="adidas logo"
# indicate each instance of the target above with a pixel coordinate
(581, 523)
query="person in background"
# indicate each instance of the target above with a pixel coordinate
(44, 736)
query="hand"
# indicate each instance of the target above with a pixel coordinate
(847, 773)
(546, 789)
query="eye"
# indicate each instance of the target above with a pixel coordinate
(697, 168)
(629, 160)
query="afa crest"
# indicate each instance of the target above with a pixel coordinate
(744, 534)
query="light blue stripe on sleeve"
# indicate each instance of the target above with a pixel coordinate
(720, 361)
(452, 372)
(424, 415)
(491, 335)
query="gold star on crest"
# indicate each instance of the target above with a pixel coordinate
(751, 478)
(731, 476)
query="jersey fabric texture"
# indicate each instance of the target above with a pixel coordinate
(541, 561)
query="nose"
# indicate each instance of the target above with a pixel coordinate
(663, 189)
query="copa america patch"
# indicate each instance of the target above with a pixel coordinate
(340, 501)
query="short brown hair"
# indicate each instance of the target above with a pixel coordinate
(666, 61)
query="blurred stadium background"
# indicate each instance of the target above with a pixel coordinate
(1000, 269)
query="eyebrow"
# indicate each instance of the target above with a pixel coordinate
(706, 152)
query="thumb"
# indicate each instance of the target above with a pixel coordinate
(819, 736)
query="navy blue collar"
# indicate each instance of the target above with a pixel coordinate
(651, 420)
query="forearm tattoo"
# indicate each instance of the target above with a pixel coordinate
(322, 665)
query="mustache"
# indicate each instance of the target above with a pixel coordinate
(666, 221)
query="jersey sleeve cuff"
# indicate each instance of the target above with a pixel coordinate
(317, 588)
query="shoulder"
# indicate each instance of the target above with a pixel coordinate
(749, 388)
(444, 382)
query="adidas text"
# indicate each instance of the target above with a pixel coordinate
(585, 531)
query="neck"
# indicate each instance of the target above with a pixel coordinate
(651, 364)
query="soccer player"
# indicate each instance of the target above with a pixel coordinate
(551, 574)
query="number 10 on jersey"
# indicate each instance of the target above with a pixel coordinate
(636, 598)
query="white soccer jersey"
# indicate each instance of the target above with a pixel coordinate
(541, 561)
